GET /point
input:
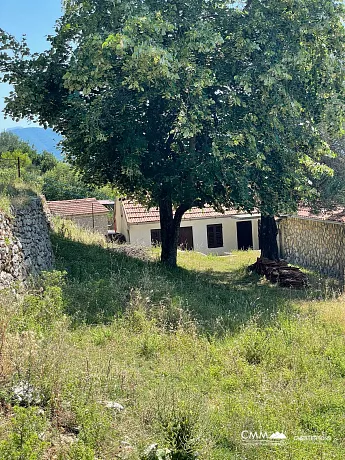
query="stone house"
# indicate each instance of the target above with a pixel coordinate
(87, 213)
(315, 241)
(203, 230)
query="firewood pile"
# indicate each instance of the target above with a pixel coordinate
(279, 271)
(131, 250)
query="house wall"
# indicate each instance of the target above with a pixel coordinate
(121, 223)
(314, 244)
(141, 233)
(86, 221)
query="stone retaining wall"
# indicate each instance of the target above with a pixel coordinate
(314, 244)
(25, 247)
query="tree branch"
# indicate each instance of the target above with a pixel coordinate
(248, 5)
(180, 211)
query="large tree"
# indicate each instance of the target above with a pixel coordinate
(185, 104)
(293, 81)
(331, 188)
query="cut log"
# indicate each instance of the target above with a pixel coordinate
(279, 271)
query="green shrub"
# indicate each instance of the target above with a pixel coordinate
(25, 439)
(94, 422)
(179, 431)
(79, 451)
(43, 306)
(254, 344)
(150, 346)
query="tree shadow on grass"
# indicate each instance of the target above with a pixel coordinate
(102, 284)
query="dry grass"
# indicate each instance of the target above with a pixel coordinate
(203, 352)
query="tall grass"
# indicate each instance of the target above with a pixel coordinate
(195, 355)
(16, 191)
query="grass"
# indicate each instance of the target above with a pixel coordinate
(15, 191)
(195, 355)
(218, 292)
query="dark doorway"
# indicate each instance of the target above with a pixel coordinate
(156, 238)
(186, 238)
(244, 235)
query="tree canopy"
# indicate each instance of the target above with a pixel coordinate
(12, 149)
(63, 183)
(9, 142)
(331, 189)
(185, 104)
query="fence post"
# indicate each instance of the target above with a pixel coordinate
(18, 165)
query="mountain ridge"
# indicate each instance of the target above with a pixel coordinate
(41, 139)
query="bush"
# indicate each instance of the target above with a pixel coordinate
(25, 439)
(43, 306)
(79, 451)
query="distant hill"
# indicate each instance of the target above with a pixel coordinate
(40, 138)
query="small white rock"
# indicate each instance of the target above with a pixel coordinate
(114, 405)
(151, 448)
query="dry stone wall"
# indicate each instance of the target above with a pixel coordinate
(25, 247)
(319, 245)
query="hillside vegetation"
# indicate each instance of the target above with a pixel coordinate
(111, 353)
(39, 173)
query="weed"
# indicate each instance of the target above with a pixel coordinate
(24, 441)
(193, 355)
(180, 437)
(79, 451)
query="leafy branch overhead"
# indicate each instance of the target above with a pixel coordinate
(186, 104)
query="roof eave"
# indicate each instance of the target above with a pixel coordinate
(188, 219)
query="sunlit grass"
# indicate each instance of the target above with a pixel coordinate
(206, 344)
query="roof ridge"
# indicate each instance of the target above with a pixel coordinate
(82, 206)
(74, 199)
(135, 212)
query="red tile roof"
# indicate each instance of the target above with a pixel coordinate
(136, 213)
(337, 215)
(76, 207)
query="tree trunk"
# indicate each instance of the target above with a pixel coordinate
(170, 230)
(268, 238)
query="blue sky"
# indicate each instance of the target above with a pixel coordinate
(36, 19)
